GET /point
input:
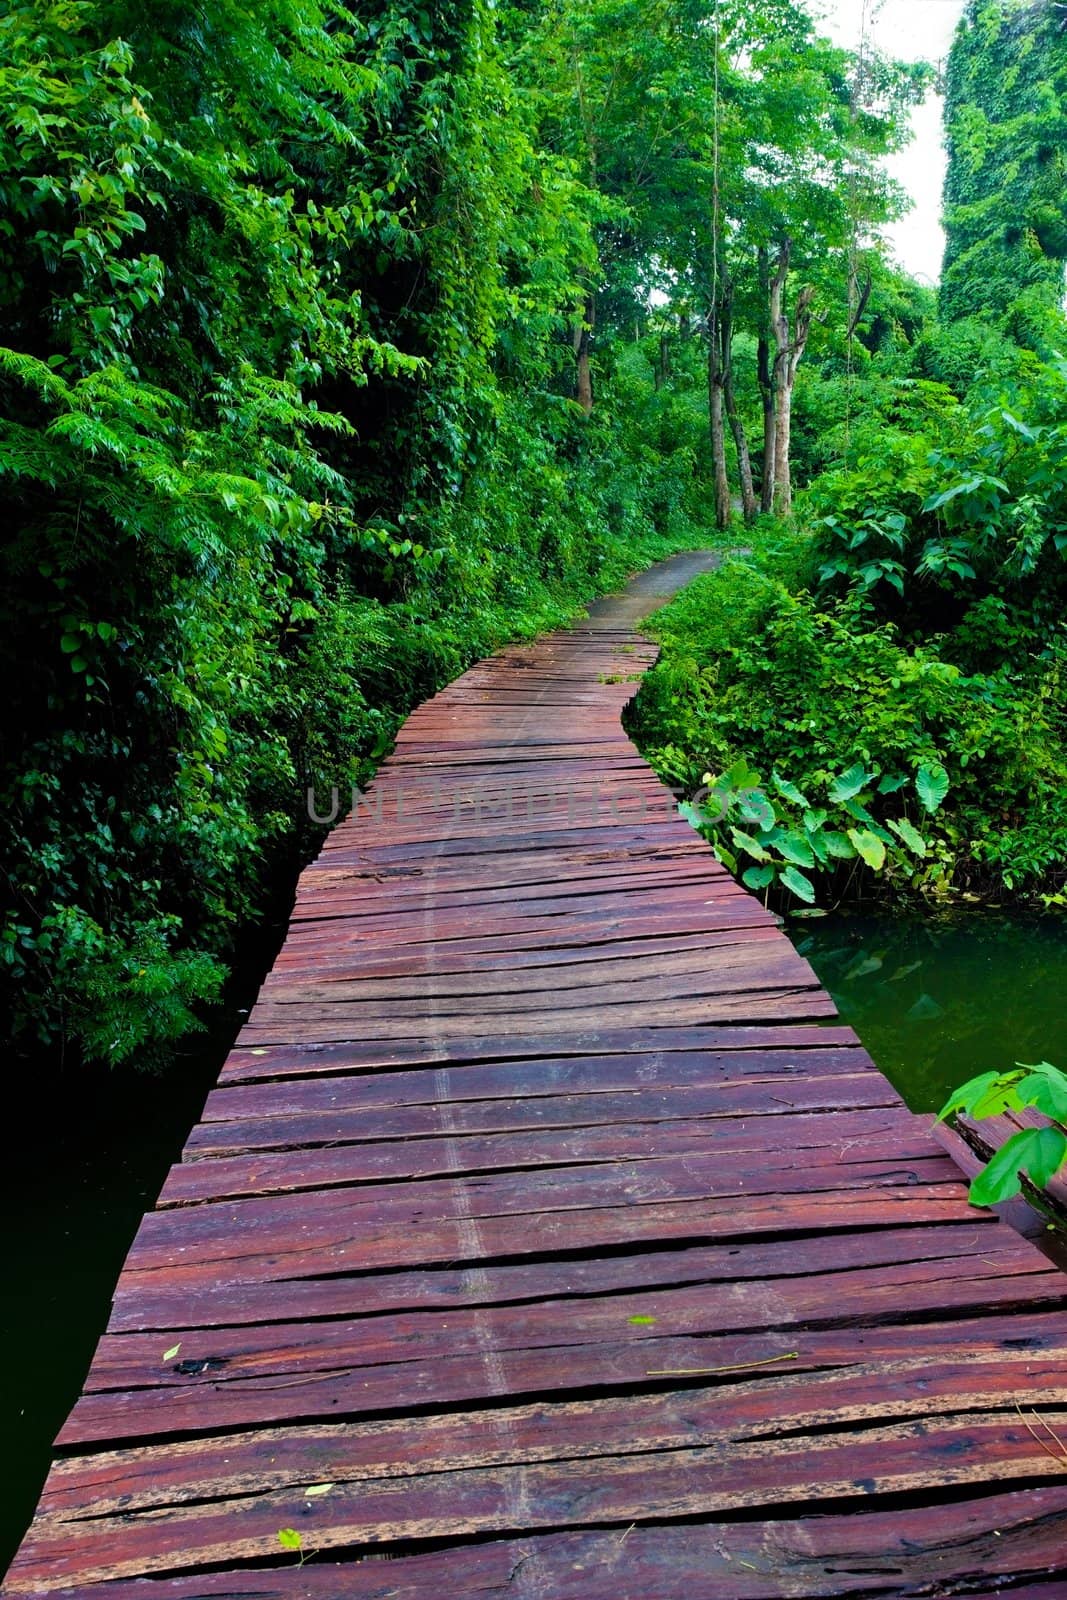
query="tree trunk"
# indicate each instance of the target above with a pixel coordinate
(737, 426)
(783, 422)
(716, 422)
(765, 379)
(584, 375)
(663, 365)
(783, 399)
(789, 348)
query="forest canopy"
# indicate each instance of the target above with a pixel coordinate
(338, 345)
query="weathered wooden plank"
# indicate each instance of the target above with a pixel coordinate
(876, 1388)
(262, 1375)
(644, 1074)
(224, 1303)
(501, 958)
(301, 1059)
(909, 1457)
(494, 1212)
(306, 1156)
(527, 985)
(337, 1023)
(945, 1548)
(466, 1240)
(805, 1139)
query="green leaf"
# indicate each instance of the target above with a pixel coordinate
(931, 785)
(1046, 1154)
(839, 845)
(1040, 1152)
(795, 847)
(964, 1097)
(1019, 427)
(314, 1489)
(1047, 1093)
(892, 782)
(641, 1322)
(790, 792)
(727, 857)
(1000, 1096)
(289, 1539)
(754, 806)
(818, 845)
(741, 776)
(861, 814)
(758, 877)
(849, 784)
(869, 846)
(798, 884)
(908, 832)
(751, 846)
(168, 1355)
(692, 814)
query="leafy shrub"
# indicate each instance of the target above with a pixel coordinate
(977, 512)
(874, 755)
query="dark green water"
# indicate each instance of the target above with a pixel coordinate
(936, 1003)
(85, 1155)
(81, 1166)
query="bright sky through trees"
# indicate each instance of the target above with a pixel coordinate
(912, 30)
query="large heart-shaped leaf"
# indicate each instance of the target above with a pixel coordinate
(963, 1098)
(754, 806)
(758, 877)
(849, 784)
(795, 847)
(798, 884)
(751, 846)
(1046, 1090)
(932, 785)
(868, 846)
(789, 791)
(909, 833)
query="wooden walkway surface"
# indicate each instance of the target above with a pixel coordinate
(547, 1236)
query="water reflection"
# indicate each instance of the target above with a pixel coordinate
(938, 1002)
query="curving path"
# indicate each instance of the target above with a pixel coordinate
(546, 1236)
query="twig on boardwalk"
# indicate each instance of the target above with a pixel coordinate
(1061, 1458)
(735, 1366)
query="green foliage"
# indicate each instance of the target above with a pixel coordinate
(883, 754)
(286, 440)
(970, 513)
(1038, 1152)
(1006, 217)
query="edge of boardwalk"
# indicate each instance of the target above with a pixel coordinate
(547, 1234)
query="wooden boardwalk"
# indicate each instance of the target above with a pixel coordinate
(547, 1236)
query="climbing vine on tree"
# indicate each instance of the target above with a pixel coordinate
(1006, 190)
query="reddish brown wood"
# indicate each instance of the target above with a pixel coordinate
(545, 1227)
(943, 1549)
(226, 1304)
